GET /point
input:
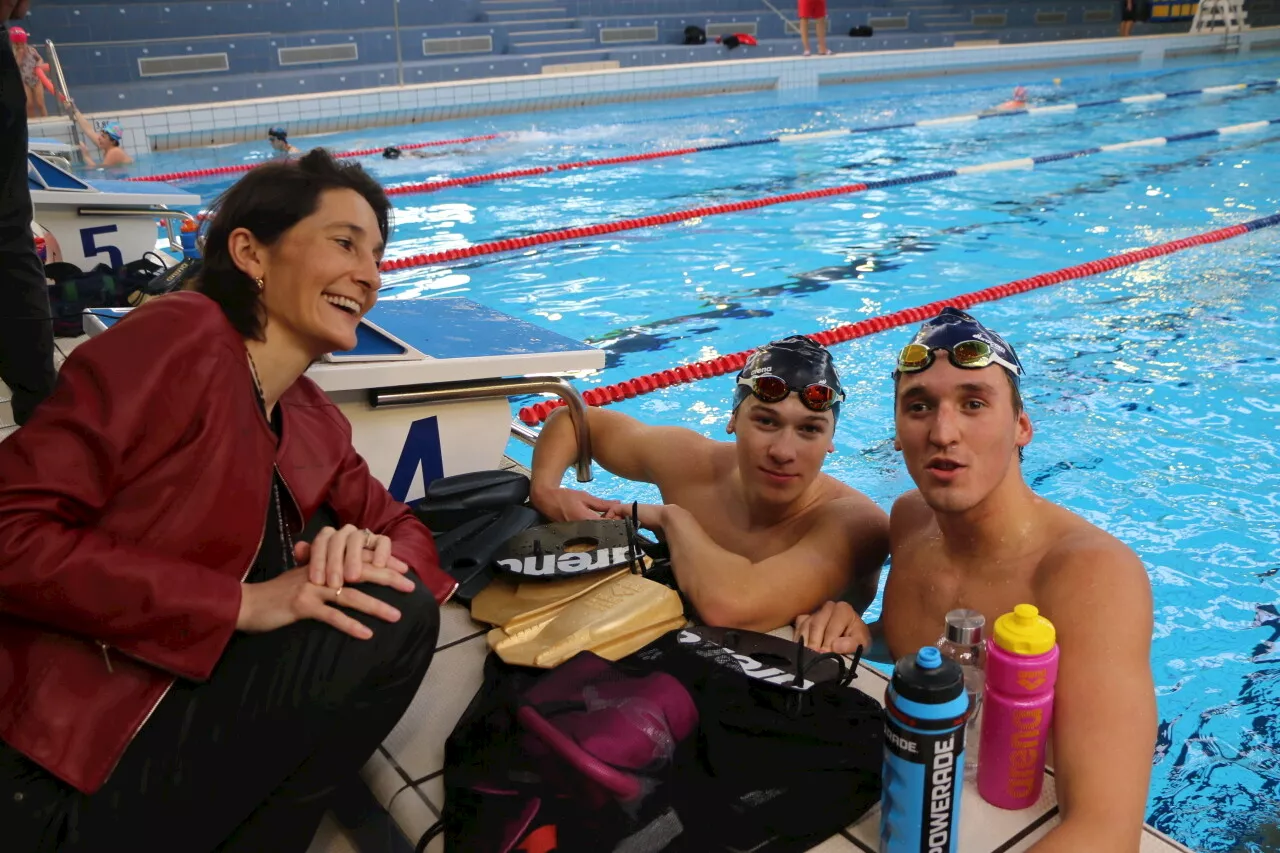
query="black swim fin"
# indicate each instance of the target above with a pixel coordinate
(467, 552)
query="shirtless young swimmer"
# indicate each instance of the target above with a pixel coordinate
(974, 535)
(757, 533)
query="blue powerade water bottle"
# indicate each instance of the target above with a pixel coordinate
(926, 708)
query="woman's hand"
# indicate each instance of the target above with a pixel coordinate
(834, 627)
(292, 597)
(338, 557)
(560, 504)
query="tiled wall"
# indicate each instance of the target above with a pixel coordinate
(216, 123)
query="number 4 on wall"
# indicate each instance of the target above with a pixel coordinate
(421, 452)
(114, 258)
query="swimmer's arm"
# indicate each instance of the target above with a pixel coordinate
(730, 590)
(86, 127)
(86, 156)
(622, 445)
(1104, 718)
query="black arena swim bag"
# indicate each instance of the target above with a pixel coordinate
(782, 763)
(776, 763)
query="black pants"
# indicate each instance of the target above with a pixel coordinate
(247, 760)
(26, 331)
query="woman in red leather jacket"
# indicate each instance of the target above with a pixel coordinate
(178, 670)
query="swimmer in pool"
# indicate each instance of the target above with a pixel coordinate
(279, 139)
(391, 152)
(757, 533)
(1017, 102)
(107, 135)
(973, 534)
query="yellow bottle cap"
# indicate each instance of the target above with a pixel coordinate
(1024, 631)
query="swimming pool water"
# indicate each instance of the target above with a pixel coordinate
(1151, 388)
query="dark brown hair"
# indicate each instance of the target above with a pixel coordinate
(268, 201)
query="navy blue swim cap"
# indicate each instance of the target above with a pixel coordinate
(953, 327)
(798, 360)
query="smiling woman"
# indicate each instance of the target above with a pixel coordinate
(179, 667)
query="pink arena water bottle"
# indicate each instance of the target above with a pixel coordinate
(1022, 666)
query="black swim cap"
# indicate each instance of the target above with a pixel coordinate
(798, 360)
(954, 326)
(278, 133)
(391, 152)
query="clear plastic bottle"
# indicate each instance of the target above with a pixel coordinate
(961, 641)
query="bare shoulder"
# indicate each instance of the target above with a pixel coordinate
(844, 505)
(910, 515)
(681, 456)
(1086, 565)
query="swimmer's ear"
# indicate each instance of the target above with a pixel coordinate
(1025, 430)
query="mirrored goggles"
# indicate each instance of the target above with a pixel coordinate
(970, 355)
(774, 389)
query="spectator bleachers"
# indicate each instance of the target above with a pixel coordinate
(130, 55)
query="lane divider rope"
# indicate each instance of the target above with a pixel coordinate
(362, 152)
(685, 373)
(792, 138)
(563, 234)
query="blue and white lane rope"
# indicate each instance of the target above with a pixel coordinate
(1050, 108)
(563, 234)
(533, 171)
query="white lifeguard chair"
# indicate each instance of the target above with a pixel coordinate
(1221, 16)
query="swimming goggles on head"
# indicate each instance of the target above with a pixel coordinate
(970, 355)
(774, 389)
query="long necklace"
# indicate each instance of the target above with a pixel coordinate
(286, 540)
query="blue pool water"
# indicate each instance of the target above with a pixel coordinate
(1148, 386)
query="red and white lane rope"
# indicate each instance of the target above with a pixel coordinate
(683, 373)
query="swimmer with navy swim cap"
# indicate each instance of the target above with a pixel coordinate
(758, 533)
(279, 139)
(796, 365)
(974, 534)
(391, 152)
(967, 343)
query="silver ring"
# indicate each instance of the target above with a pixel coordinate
(369, 536)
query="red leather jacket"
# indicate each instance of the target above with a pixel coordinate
(132, 505)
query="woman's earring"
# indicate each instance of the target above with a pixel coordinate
(258, 281)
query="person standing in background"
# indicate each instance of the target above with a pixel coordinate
(26, 328)
(28, 61)
(815, 11)
(1128, 14)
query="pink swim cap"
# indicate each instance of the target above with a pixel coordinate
(17, 35)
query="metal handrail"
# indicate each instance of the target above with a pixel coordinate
(523, 434)
(789, 26)
(395, 12)
(175, 242)
(484, 389)
(62, 84)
